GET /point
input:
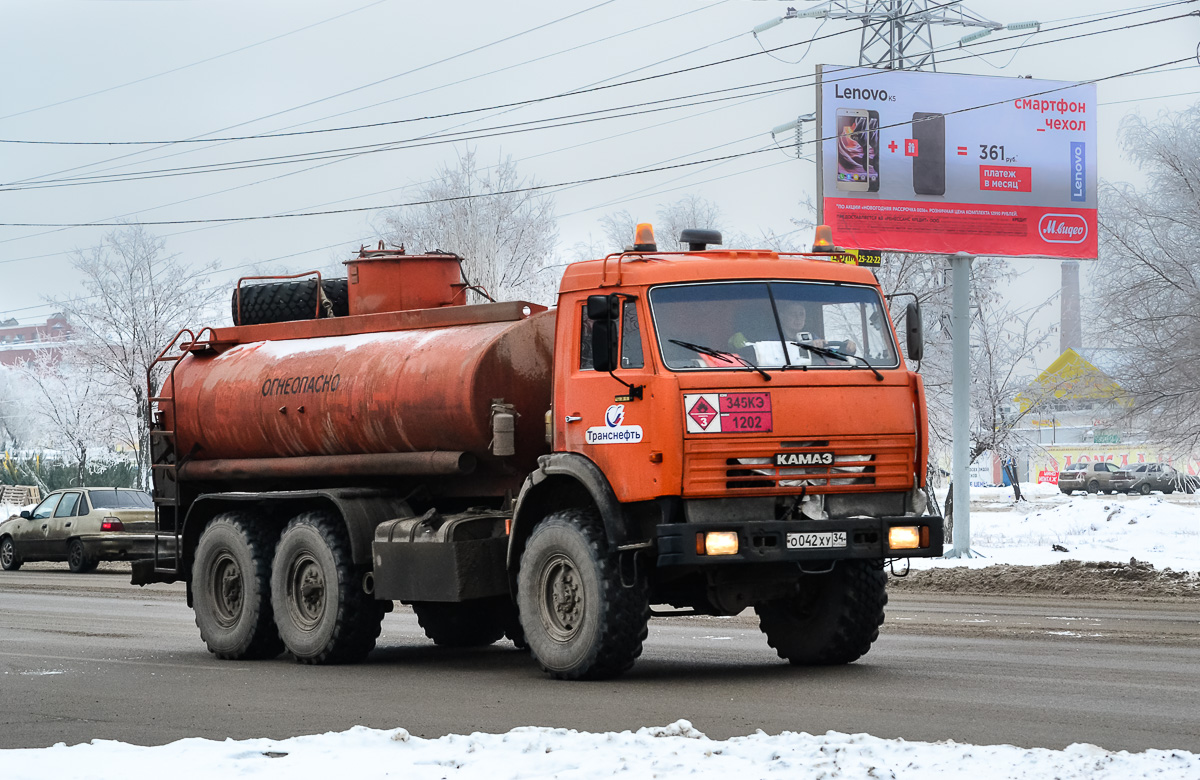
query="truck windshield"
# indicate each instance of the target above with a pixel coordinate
(773, 325)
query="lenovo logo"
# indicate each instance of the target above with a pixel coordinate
(1062, 228)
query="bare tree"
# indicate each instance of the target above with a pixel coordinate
(506, 237)
(136, 298)
(1004, 346)
(1147, 283)
(68, 399)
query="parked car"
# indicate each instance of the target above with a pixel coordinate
(1160, 476)
(82, 527)
(1094, 478)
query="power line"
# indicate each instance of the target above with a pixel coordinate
(589, 180)
(433, 139)
(192, 64)
(372, 84)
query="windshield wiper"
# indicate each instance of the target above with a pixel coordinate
(721, 354)
(832, 353)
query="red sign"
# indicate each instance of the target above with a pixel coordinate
(1004, 178)
(702, 412)
(978, 229)
(745, 412)
(1047, 477)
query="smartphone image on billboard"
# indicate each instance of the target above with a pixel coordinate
(873, 151)
(929, 165)
(852, 157)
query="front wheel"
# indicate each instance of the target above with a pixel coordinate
(9, 560)
(323, 614)
(580, 620)
(231, 588)
(832, 619)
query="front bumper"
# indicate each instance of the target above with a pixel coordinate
(766, 542)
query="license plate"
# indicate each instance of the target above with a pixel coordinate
(819, 540)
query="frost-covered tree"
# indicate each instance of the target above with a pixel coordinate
(67, 396)
(136, 297)
(1004, 344)
(1147, 283)
(506, 237)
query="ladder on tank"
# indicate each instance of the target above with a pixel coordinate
(164, 452)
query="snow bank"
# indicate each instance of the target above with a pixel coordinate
(1161, 530)
(677, 750)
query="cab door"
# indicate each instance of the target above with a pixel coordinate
(600, 414)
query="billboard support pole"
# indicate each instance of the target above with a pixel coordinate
(960, 335)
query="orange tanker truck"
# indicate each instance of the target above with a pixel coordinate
(699, 432)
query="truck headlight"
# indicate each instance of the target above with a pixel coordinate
(905, 537)
(717, 543)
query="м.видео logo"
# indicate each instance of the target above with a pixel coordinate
(1063, 228)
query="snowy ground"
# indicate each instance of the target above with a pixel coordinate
(1161, 530)
(677, 750)
(1157, 529)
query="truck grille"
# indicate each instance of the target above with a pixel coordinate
(716, 467)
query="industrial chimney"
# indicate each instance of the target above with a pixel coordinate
(1071, 328)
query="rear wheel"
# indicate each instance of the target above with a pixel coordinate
(78, 560)
(1144, 488)
(323, 614)
(9, 560)
(1093, 487)
(231, 588)
(833, 619)
(580, 620)
(466, 623)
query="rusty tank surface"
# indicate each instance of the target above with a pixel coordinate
(413, 392)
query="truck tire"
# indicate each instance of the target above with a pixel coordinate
(9, 560)
(231, 578)
(288, 301)
(832, 620)
(579, 619)
(323, 614)
(466, 623)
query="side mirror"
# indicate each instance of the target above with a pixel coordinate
(604, 310)
(914, 331)
(26, 514)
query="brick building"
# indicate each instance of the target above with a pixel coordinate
(19, 343)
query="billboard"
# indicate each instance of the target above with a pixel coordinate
(911, 161)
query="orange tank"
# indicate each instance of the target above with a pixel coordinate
(306, 398)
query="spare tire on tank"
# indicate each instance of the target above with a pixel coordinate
(286, 301)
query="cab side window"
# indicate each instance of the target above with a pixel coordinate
(585, 340)
(631, 337)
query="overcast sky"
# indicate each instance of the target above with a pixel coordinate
(151, 70)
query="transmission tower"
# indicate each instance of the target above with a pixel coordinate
(898, 34)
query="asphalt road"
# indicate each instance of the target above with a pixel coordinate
(90, 657)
